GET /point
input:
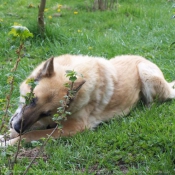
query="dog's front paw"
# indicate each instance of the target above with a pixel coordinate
(3, 144)
(11, 142)
(1, 138)
(3, 141)
(4, 137)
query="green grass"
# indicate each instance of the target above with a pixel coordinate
(141, 143)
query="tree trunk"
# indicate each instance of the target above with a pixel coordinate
(41, 25)
(99, 5)
(104, 4)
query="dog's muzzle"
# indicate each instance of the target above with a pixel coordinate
(18, 127)
(15, 123)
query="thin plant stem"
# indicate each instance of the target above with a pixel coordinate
(20, 138)
(11, 85)
(20, 134)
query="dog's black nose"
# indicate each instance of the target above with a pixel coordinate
(17, 127)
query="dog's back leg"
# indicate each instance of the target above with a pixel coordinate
(154, 84)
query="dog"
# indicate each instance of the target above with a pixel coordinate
(107, 89)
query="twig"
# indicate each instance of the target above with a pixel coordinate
(11, 85)
(20, 138)
(22, 33)
(20, 134)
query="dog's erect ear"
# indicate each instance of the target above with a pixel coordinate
(78, 85)
(48, 68)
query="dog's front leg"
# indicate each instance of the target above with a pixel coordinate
(70, 127)
(31, 136)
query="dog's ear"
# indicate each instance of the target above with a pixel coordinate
(48, 68)
(78, 85)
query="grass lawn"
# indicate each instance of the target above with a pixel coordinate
(142, 142)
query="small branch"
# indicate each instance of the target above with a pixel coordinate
(22, 33)
(11, 85)
(8, 103)
(20, 134)
(20, 138)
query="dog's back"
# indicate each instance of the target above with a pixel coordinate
(112, 87)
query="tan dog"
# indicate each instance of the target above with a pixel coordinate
(108, 88)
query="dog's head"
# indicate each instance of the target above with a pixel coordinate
(47, 95)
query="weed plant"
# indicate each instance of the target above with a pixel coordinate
(140, 143)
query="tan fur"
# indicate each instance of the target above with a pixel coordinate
(112, 88)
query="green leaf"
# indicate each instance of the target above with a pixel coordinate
(73, 78)
(32, 82)
(67, 85)
(20, 31)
